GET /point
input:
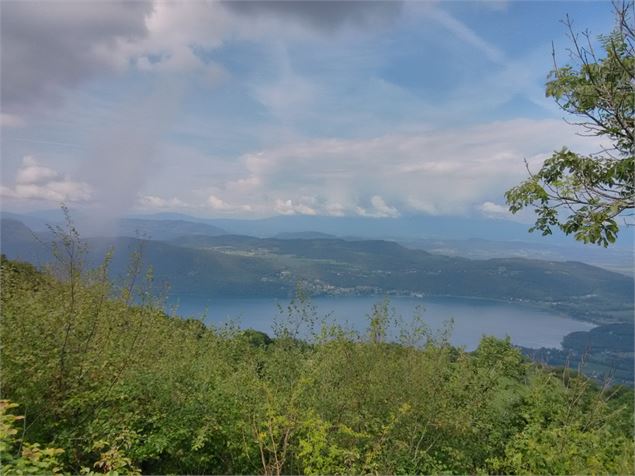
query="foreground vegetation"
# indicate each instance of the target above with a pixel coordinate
(96, 378)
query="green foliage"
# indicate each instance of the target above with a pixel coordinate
(566, 432)
(500, 358)
(105, 376)
(18, 457)
(584, 195)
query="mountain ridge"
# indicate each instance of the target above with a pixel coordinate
(234, 265)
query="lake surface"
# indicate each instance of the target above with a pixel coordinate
(472, 318)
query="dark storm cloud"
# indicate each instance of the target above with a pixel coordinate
(48, 47)
(324, 15)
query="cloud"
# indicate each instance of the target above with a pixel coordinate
(466, 34)
(52, 48)
(154, 202)
(11, 120)
(289, 207)
(290, 96)
(32, 172)
(213, 203)
(178, 33)
(35, 181)
(378, 209)
(48, 47)
(458, 170)
(217, 203)
(494, 210)
(323, 16)
(448, 171)
(452, 171)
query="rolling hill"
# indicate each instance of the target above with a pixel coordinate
(236, 265)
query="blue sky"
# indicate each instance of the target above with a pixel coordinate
(251, 109)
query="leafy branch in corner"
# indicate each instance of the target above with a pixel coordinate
(586, 195)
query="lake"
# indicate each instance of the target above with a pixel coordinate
(472, 318)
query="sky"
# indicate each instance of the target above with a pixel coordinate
(255, 109)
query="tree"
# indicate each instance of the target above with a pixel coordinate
(586, 195)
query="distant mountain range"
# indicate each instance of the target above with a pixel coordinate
(304, 235)
(450, 242)
(402, 228)
(617, 259)
(132, 227)
(238, 265)
(164, 229)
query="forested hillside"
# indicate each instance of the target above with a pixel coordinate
(105, 385)
(237, 265)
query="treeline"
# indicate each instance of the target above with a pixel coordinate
(97, 378)
(604, 352)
